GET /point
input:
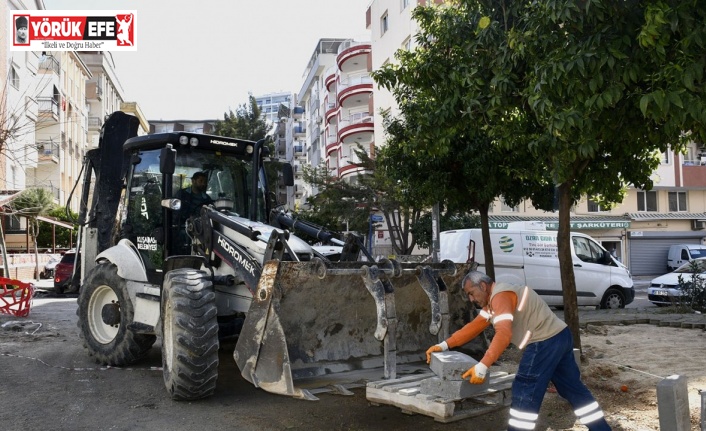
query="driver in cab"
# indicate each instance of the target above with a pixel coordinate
(192, 198)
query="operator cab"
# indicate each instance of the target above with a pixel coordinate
(234, 183)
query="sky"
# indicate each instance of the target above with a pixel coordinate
(196, 60)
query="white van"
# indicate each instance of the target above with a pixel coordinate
(530, 257)
(679, 254)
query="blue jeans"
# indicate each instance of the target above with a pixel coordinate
(545, 361)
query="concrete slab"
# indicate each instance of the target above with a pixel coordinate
(451, 365)
(452, 389)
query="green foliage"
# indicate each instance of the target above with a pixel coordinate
(245, 123)
(693, 290)
(338, 205)
(422, 229)
(63, 235)
(32, 203)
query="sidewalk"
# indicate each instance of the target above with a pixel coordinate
(660, 316)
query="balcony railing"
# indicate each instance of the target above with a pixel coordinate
(48, 104)
(351, 43)
(47, 149)
(50, 63)
(94, 123)
(354, 80)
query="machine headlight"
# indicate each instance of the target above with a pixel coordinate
(183, 140)
(193, 142)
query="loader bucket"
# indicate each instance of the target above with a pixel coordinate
(320, 323)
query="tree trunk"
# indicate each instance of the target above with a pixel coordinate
(566, 264)
(487, 246)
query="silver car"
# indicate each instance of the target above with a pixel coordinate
(665, 290)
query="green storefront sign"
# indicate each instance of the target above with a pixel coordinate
(575, 225)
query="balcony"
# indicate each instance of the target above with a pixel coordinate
(331, 74)
(355, 91)
(50, 64)
(281, 146)
(48, 151)
(298, 190)
(331, 111)
(353, 55)
(299, 130)
(298, 112)
(358, 127)
(48, 106)
(349, 167)
(94, 124)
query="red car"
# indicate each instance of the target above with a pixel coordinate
(64, 271)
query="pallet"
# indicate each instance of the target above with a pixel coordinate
(405, 393)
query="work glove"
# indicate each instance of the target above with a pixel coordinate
(476, 374)
(441, 347)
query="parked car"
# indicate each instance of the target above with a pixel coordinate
(64, 271)
(48, 271)
(680, 254)
(665, 290)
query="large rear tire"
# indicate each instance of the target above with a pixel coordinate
(189, 335)
(104, 313)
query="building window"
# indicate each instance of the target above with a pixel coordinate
(593, 206)
(384, 24)
(11, 224)
(404, 4)
(507, 208)
(407, 44)
(14, 77)
(647, 201)
(677, 201)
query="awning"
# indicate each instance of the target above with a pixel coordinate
(54, 221)
(651, 216)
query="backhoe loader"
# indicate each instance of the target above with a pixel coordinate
(235, 268)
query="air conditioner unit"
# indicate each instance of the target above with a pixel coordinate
(698, 224)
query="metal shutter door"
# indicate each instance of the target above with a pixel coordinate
(648, 256)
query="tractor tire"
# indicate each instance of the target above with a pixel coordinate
(104, 313)
(189, 335)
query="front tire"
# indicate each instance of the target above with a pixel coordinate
(189, 335)
(104, 313)
(613, 299)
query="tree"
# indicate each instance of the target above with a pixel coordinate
(31, 204)
(346, 205)
(245, 123)
(590, 92)
(63, 235)
(611, 85)
(438, 145)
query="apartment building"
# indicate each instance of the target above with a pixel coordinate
(269, 105)
(639, 230)
(55, 103)
(105, 95)
(194, 126)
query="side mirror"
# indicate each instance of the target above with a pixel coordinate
(167, 160)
